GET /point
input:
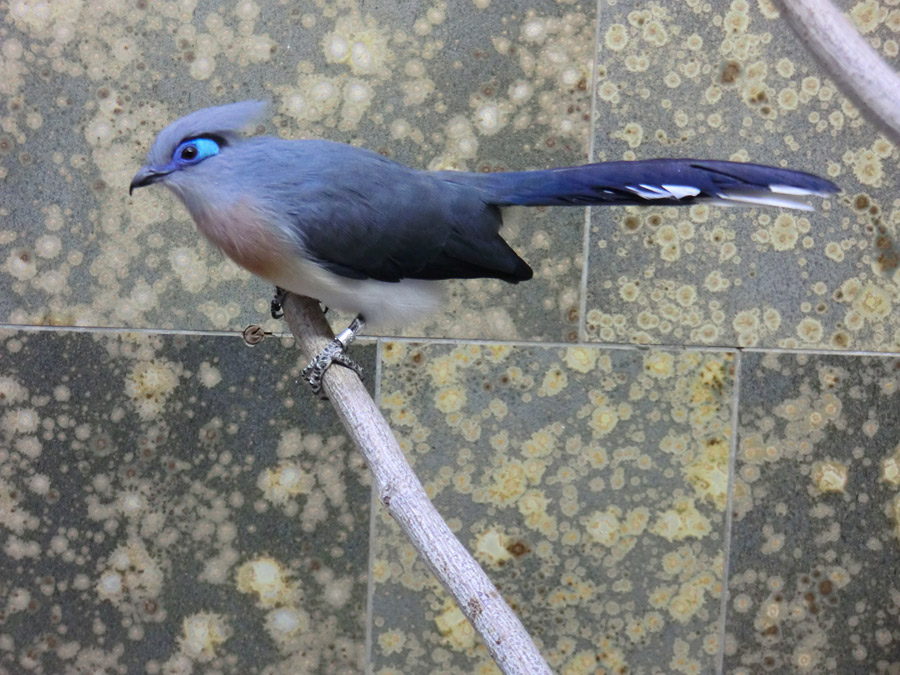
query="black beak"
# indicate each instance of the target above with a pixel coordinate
(146, 176)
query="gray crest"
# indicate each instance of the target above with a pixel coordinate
(225, 121)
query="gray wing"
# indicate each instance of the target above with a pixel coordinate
(363, 216)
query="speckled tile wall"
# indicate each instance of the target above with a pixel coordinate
(730, 80)
(813, 574)
(443, 85)
(172, 501)
(591, 483)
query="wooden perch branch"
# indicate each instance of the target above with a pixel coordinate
(405, 499)
(859, 71)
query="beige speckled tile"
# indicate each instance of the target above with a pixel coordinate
(816, 541)
(175, 504)
(590, 483)
(730, 80)
(455, 84)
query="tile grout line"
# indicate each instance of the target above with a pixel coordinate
(113, 330)
(373, 514)
(729, 509)
(369, 339)
(623, 346)
(818, 352)
(592, 137)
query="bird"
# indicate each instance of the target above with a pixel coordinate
(365, 234)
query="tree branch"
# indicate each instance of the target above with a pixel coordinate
(859, 71)
(405, 499)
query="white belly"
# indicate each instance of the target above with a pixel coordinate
(379, 302)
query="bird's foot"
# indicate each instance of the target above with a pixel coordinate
(335, 352)
(277, 300)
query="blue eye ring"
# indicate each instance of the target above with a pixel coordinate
(195, 150)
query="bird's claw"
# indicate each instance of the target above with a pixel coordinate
(277, 300)
(333, 353)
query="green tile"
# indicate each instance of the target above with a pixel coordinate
(817, 517)
(460, 84)
(730, 80)
(175, 504)
(591, 484)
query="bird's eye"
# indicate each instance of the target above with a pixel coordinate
(195, 150)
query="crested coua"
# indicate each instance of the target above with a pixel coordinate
(365, 234)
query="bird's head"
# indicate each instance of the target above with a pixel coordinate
(192, 140)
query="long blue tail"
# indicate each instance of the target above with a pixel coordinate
(653, 181)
